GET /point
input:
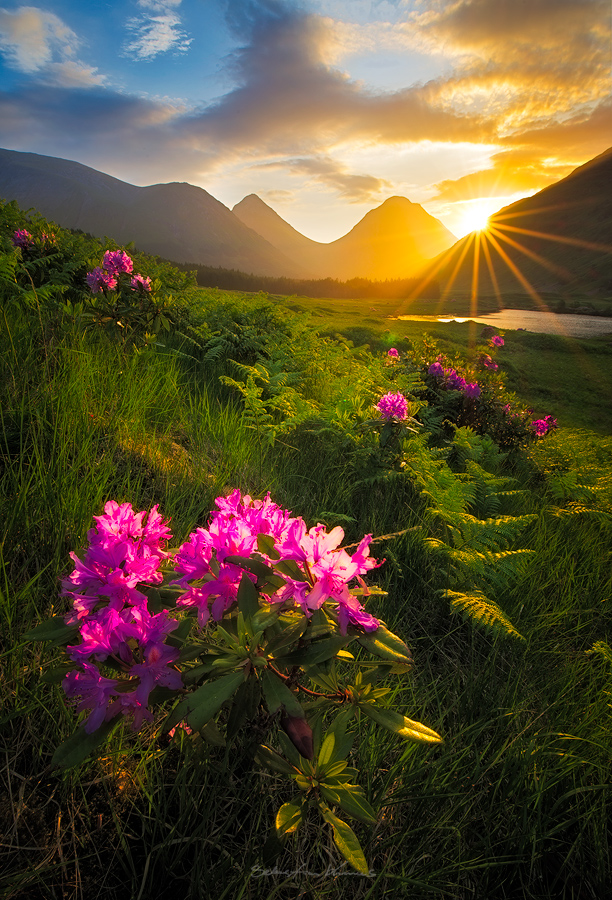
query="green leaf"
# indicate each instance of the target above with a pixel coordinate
(80, 745)
(287, 636)
(289, 818)
(248, 598)
(264, 618)
(396, 722)
(259, 568)
(327, 749)
(198, 708)
(270, 759)
(316, 652)
(266, 545)
(385, 644)
(54, 630)
(346, 841)
(244, 706)
(291, 569)
(352, 802)
(211, 734)
(277, 695)
(56, 674)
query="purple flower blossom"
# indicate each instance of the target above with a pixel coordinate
(117, 261)
(472, 390)
(393, 406)
(487, 362)
(22, 238)
(100, 281)
(497, 340)
(392, 353)
(141, 283)
(543, 426)
(454, 381)
(436, 369)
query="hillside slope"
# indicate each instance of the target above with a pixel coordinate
(178, 221)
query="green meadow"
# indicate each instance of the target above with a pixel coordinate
(497, 575)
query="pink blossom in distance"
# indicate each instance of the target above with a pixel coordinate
(117, 261)
(141, 283)
(100, 281)
(392, 353)
(22, 238)
(393, 406)
(497, 340)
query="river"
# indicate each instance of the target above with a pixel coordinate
(530, 320)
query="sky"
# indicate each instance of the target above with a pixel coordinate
(324, 108)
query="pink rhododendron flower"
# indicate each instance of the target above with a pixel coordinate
(497, 340)
(99, 281)
(454, 381)
(472, 390)
(392, 353)
(436, 369)
(22, 238)
(117, 261)
(141, 283)
(543, 426)
(487, 362)
(393, 406)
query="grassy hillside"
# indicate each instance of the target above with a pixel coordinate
(497, 575)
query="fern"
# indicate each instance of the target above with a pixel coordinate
(484, 612)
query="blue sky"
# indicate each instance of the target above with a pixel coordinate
(322, 107)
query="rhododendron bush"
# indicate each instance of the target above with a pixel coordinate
(254, 614)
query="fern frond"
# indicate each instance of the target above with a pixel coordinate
(484, 612)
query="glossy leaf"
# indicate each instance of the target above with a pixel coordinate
(80, 745)
(248, 598)
(54, 630)
(401, 725)
(386, 645)
(270, 759)
(198, 708)
(289, 818)
(346, 841)
(277, 695)
(352, 802)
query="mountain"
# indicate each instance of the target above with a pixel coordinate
(557, 240)
(392, 241)
(178, 221)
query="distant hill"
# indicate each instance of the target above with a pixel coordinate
(178, 221)
(558, 240)
(392, 241)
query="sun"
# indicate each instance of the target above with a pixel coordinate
(475, 214)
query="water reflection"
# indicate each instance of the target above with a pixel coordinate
(530, 320)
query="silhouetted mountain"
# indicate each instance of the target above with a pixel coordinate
(392, 241)
(177, 221)
(558, 240)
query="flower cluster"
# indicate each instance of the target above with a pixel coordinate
(115, 264)
(453, 381)
(211, 582)
(22, 238)
(543, 426)
(126, 549)
(497, 340)
(115, 625)
(393, 406)
(392, 353)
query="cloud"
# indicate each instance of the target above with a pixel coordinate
(156, 31)
(32, 37)
(334, 175)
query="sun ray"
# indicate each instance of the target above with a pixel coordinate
(576, 242)
(493, 276)
(552, 267)
(517, 273)
(455, 271)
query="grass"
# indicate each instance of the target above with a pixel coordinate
(515, 804)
